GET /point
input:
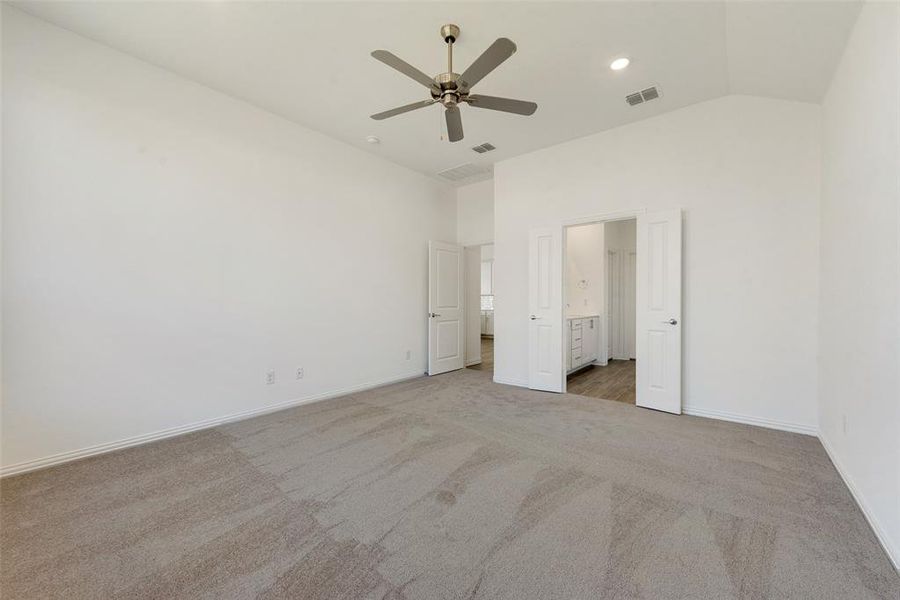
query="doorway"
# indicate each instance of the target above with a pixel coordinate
(601, 263)
(567, 333)
(460, 307)
(480, 295)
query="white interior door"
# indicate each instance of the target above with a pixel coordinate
(545, 356)
(446, 326)
(658, 311)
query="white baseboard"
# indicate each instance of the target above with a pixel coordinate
(892, 552)
(516, 382)
(750, 420)
(64, 457)
(714, 414)
(474, 361)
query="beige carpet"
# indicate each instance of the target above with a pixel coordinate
(448, 487)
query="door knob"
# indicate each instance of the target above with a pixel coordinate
(671, 322)
(534, 318)
(433, 315)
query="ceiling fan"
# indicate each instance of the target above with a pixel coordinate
(450, 89)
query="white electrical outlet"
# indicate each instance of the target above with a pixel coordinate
(270, 376)
(299, 372)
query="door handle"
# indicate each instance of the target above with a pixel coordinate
(534, 318)
(433, 315)
(671, 322)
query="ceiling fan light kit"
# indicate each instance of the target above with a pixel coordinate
(452, 89)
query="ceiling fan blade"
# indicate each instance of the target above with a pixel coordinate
(402, 109)
(404, 67)
(489, 60)
(454, 124)
(519, 107)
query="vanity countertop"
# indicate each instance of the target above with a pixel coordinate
(570, 317)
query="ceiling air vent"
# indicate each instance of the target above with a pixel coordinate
(651, 93)
(464, 172)
(485, 147)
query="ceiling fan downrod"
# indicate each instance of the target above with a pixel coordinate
(450, 33)
(448, 94)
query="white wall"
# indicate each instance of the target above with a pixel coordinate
(475, 213)
(585, 261)
(164, 245)
(746, 171)
(859, 334)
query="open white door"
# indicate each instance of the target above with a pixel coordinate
(446, 326)
(658, 317)
(546, 370)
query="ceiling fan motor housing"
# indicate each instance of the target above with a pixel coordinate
(446, 89)
(450, 33)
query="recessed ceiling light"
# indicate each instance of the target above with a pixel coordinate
(372, 139)
(619, 64)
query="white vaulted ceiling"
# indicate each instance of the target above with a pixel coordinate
(310, 63)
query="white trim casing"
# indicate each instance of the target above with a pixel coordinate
(64, 457)
(620, 215)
